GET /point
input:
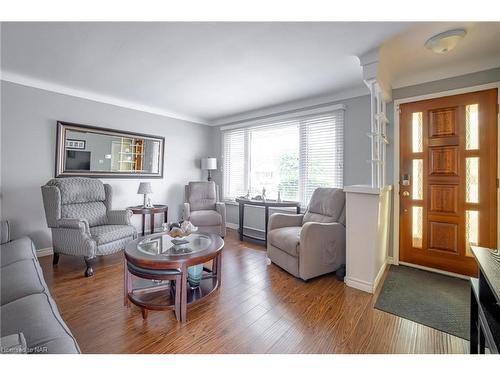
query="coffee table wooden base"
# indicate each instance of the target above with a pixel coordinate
(150, 264)
(163, 297)
(154, 297)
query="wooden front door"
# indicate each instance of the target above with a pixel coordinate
(448, 180)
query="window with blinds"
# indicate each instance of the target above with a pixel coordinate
(293, 157)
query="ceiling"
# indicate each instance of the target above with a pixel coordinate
(405, 61)
(212, 72)
(201, 72)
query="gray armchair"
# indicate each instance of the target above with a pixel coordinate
(203, 209)
(312, 244)
(78, 210)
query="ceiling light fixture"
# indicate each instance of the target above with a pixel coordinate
(444, 42)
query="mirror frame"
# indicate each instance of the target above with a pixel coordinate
(60, 171)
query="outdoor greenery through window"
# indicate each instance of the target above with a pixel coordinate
(293, 157)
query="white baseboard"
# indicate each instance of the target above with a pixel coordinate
(359, 284)
(366, 286)
(379, 275)
(236, 227)
(44, 252)
(390, 260)
(232, 226)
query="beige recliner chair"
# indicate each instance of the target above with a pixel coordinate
(203, 209)
(311, 244)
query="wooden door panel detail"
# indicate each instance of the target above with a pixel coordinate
(443, 198)
(447, 190)
(443, 236)
(443, 123)
(444, 161)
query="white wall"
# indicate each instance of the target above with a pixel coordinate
(28, 138)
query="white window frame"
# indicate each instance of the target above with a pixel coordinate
(269, 120)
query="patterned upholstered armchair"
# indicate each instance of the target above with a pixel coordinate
(78, 210)
(312, 244)
(203, 208)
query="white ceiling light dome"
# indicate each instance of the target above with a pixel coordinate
(444, 42)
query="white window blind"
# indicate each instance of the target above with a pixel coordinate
(294, 157)
(234, 164)
(321, 153)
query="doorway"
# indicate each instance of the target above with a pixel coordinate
(448, 180)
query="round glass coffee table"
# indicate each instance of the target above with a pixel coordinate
(164, 261)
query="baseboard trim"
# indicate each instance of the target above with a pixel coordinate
(236, 227)
(358, 284)
(390, 260)
(232, 226)
(44, 252)
(379, 276)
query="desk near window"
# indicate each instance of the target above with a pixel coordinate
(242, 202)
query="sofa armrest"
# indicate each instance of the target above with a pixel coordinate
(81, 224)
(284, 220)
(322, 248)
(72, 237)
(13, 344)
(119, 217)
(220, 207)
(186, 212)
(4, 231)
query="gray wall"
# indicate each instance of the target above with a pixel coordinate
(466, 80)
(28, 132)
(356, 154)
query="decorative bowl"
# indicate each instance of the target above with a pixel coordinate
(179, 231)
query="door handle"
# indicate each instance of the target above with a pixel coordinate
(406, 194)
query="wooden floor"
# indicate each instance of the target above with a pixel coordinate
(258, 309)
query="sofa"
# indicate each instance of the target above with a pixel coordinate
(311, 244)
(203, 209)
(29, 319)
(78, 211)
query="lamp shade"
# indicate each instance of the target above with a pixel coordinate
(145, 188)
(209, 164)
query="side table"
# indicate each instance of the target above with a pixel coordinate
(262, 203)
(156, 209)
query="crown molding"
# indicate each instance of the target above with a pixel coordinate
(96, 97)
(291, 107)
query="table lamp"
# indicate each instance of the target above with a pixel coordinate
(209, 164)
(145, 188)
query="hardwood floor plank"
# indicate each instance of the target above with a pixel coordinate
(259, 308)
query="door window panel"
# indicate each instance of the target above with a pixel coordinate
(472, 127)
(472, 180)
(417, 226)
(471, 230)
(417, 132)
(418, 179)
